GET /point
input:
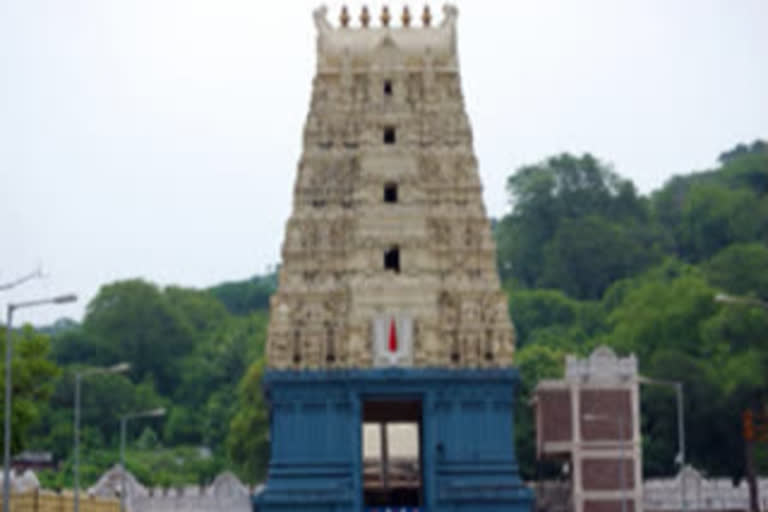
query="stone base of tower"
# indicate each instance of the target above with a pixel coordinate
(466, 458)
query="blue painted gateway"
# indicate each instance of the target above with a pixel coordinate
(390, 351)
(465, 431)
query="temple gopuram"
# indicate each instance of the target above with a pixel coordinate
(390, 351)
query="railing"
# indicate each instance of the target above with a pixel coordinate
(47, 501)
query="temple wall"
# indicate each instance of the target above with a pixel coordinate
(466, 429)
(226, 492)
(714, 494)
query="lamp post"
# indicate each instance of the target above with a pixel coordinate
(121, 367)
(622, 476)
(754, 499)
(123, 421)
(61, 299)
(678, 387)
(747, 301)
(20, 280)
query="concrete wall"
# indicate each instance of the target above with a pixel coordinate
(665, 494)
(701, 493)
(225, 493)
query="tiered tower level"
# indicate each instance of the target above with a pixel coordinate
(388, 258)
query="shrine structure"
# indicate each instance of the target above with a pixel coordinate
(389, 377)
(591, 421)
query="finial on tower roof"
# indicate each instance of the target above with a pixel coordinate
(406, 17)
(426, 16)
(344, 16)
(385, 17)
(321, 22)
(365, 17)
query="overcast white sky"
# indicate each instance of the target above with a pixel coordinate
(159, 138)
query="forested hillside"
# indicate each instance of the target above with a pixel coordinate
(585, 259)
(188, 350)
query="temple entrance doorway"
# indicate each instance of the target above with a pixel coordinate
(392, 454)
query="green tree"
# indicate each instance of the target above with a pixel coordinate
(668, 317)
(535, 362)
(585, 256)
(200, 310)
(133, 321)
(32, 372)
(715, 216)
(588, 222)
(103, 399)
(211, 374)
(740, 269)
(704, 212)
(661, 308)
(77, 346)
(540, 315)
(248, 440)
(242, 297)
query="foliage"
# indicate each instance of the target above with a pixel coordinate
(740, 269)
(243, 297)
(543, 315)
(31, 372)
(134, 321)
(702, 213)
(586, 255)
(576, 225)
(188, 354)
(248, 441)
(669, 318)
(155, 467)
(715, 217)
(649, 271)
(535, 362)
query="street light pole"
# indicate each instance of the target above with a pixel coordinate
(678, 387)
(734, 299)
(78, 378)
(121, 367)
(20, 280)
(681, 442)
(748, 456)
(62, 299)
(7, 426)
(123, 421)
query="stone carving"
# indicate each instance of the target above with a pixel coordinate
(335, 280)
(602, 365)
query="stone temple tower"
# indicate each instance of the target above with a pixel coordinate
(389, 346)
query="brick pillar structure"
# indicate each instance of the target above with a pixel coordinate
(591, 419)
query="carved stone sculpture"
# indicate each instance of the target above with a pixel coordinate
(388, 225)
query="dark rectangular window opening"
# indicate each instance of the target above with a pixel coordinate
(392, 259)
(387, 87)
(390, 193)
(392, 464)
(389, 135)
